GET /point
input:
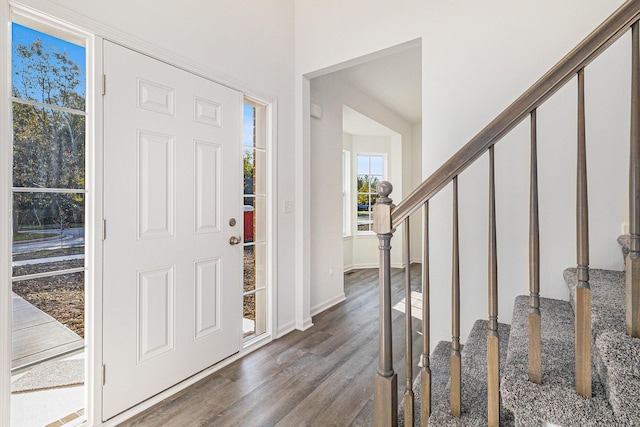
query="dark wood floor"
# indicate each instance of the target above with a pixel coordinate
(319, 377)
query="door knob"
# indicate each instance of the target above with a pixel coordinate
(233, 240)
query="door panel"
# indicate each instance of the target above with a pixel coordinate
(172, 282)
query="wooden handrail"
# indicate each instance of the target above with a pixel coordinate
(602, 37)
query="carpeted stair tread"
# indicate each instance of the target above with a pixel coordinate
(439, 364)
(474, 382)
(619, 360)
(607, 298)
(554, 401)
(616, 355)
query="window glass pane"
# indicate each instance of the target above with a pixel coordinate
(248, 123)
(61, 297)
(249, 268)
(365, 219)
(363, 165)
(48, 148)
(374, 180)
(48, 225)
(254, 306)
(249, 220)
(376, 165)
(255, 257)
(47, 69)
(370, 173)
(254, 320)
(249, 170)
(364, 185)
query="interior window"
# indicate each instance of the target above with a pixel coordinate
(370, 171)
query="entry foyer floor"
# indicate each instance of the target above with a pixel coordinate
(319, 377)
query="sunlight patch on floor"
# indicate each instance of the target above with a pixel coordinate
(416, 305)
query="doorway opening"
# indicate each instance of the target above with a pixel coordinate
(376, 156)
(49, 114)
(365, 112)
(255, 283)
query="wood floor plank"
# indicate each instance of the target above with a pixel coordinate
(319, 377)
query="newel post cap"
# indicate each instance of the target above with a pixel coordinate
(384, 188)
(382, 209)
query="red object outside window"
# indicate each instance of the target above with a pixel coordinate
(248, 223)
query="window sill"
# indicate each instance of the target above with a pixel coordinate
(366, 234)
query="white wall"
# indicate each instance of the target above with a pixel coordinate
(327, 140)
(416, 220)
(478, 57)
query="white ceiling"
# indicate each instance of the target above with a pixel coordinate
(394, 81)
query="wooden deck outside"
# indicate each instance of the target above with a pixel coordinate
(37, 336)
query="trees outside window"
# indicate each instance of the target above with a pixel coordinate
(370, 171)
(48, 92)
(48, 88)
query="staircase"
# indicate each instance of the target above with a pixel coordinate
(567, 363)
(616, 366)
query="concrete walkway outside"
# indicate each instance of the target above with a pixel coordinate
(37, 337)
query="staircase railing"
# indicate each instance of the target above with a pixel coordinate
(387, 217)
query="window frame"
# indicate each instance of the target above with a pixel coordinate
(92, 171)
(346, 193)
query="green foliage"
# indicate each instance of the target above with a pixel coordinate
(367, 189)
(248, 164)
(48, 144)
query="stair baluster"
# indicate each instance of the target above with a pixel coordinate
(535, 365)
(408, 339)
(425, 372)
(385, 397)
(456, 362)
(493, 339)
(583, 290)
(632, 266)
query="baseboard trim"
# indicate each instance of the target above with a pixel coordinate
(365, 265)
(328, 304)
(304, 325)
(376, 265)
(285, 329)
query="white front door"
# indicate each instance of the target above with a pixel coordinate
(173, 188)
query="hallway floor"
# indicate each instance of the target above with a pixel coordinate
(319, 377)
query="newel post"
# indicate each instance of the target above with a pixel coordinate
(385, 398)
